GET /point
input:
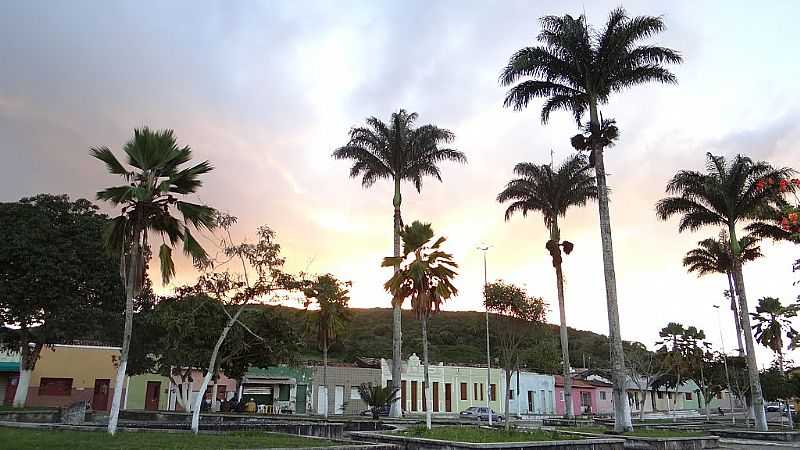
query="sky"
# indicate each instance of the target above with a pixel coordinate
(267, 90)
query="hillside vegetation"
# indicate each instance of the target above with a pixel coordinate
(456, 337)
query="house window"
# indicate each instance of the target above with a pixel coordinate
(481, 391)
(688, 396)
(602, 395)
(493, 392)
(660, 395)
(475, 391)
(354, 395)
(55, 386)
(463, 388)
(283, 392)
(562, 395)
(511, 394)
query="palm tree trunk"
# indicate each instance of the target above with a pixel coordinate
(622, 418)
(212, 364)
(426, 379)
(325, 374)
(735, 310)
(786, 402)
(506, 409)
(130, 292)
(555, 238)
(397, 332)
(760, 416)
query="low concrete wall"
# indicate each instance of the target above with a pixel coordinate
(43, 416)
(780, 436)
(652, 443)
(409, 443)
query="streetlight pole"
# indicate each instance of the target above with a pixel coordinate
(484, 248)
(725, 363)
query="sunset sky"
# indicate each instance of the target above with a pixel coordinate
(267, 90)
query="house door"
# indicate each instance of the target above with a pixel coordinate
(586, 402)
(300, 399)
(338, 404)
(11, 389)
(322, 399)
(530, 401)
(435, 394)
(152, 395)
(448, 397)
(100, 397)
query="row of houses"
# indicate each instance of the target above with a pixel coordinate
(68, 373)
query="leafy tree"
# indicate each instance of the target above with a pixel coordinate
(239, 291)
(399, 152)
(726, 195)
(644, 371)
(776, 386)
(150, 200)
(577, 69)
(517, 311)
(58, 284)
(328, 322)
(550, 192)
(377, 397)
(714, 256)
(425, 276)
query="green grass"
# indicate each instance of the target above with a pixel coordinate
(28, 439)
(483, 435)
(641, 432)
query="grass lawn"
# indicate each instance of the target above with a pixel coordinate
(638, 432)
(484, 435)
(28, 439)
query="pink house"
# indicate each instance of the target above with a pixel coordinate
(584, 397)
(603, 402)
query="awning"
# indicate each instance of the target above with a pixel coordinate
(268, 380)
(9, 366)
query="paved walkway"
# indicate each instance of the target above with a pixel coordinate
(744, 444)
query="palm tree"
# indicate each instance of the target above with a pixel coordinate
(150, 199)
(328, 323)
(714, 256)
(377, 397)
(550, 192)
(399, 152)
(773, 322)
(726, 195)
(425, 276)
(577, 69)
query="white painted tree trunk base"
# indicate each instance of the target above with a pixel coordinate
(23, 383)
(119, 382)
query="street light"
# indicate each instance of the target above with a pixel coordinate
(484, 248)
(725, 363)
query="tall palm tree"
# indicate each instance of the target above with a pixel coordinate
(328, 323)
(773, 322)
(714, 256)
(150, 201)
(398, 152)
(577, 69)
(550, 192)
(726, 195)
(425, 276)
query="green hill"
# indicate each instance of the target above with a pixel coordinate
(456, 337)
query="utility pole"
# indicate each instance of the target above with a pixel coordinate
(484, 248)
(725, 363)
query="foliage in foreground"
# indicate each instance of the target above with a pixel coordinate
(476, 434)
(24, 439)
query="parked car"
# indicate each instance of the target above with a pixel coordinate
(773, 407)
(480, 413)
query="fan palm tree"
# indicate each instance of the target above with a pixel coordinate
(773, 322)
(328, 323)
(577, 69)
(550, 192)
(726, 195)
(150, 204)
(714, 256)
(377, 397)
(425, 276)
(398, 152)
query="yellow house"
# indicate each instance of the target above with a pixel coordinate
(65, 374)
